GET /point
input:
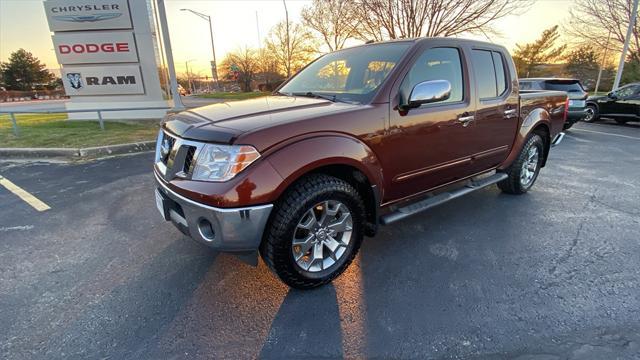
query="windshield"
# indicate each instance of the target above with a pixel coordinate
(350, 75)
(564, 85)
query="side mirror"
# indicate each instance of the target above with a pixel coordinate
(612, 95)
(428, 92)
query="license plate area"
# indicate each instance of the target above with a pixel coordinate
(161, 204)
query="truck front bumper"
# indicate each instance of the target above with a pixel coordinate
(228, 230)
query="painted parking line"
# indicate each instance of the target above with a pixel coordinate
(606, 133)
(24, 195)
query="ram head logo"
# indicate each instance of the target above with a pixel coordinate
(75, 80)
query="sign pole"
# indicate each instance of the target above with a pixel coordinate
(162, 14)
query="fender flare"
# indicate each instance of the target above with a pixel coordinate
(305, 155)
(535, 118)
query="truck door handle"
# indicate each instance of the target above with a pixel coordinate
(465, 120)
(509, 113)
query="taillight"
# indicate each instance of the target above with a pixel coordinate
(566, 110)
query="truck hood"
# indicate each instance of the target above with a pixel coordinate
(223, 122)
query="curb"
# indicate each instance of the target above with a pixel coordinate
(76, 153)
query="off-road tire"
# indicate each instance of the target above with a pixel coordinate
(513, 184)
(276, 247)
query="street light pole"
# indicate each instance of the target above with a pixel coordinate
(186, 65)
(604, 59)
(214, 67)
(632, 22)
(286, 15)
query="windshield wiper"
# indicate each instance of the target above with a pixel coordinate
(310, 94)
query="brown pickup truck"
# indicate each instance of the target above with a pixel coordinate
(359, 138)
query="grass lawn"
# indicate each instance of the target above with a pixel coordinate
(234, 96)
(53, 130)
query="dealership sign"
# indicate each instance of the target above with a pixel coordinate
(95, 47)
(102, 80)
(70, 15)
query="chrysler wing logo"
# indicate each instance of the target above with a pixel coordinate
(75, 80)
(87, 18)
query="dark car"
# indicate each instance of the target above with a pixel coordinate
(573, 88)
(359, 138)
(622, 105)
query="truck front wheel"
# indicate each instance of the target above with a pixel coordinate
(315, 232)
(524, 171)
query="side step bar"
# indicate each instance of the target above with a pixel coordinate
(442, 198)
(558, 139)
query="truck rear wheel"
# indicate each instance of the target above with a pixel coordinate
(315, 232)
(524, 171)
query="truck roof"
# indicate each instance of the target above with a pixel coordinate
(453, 41)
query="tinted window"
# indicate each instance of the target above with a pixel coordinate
(350, 75)
(501, 79)
(436, 64)
(564, 85)
(626, 91)
(530, 85)
(485, 74)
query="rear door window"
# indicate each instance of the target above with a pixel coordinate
(490, 72)
(501, 78)
(485, 74)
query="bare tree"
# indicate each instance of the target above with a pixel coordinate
(267, 70)
(295, 54)
(245, 62)
(542, 51)
(334, 20)
(591, 21)
(393, 19)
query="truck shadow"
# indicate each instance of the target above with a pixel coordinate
(414, 287)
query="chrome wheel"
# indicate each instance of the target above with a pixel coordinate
(590, 114)
(529, 166)
(322, 236)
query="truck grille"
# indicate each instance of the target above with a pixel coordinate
(166, 145)
(188, 160)
(175, 157)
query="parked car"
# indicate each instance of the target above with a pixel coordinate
(573, 87)
(622, 105)
(361, 137)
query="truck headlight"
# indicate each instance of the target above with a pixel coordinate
(223, 162)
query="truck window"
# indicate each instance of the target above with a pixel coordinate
(501, 78)
(436, 64)
(485, 74)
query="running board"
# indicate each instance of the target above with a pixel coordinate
(442, 198)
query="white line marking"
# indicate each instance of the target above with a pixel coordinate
(610, 134)
(24, 195)
(11, 228)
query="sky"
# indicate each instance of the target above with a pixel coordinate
(23, 25)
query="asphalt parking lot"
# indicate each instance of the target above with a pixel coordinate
(553, 274)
